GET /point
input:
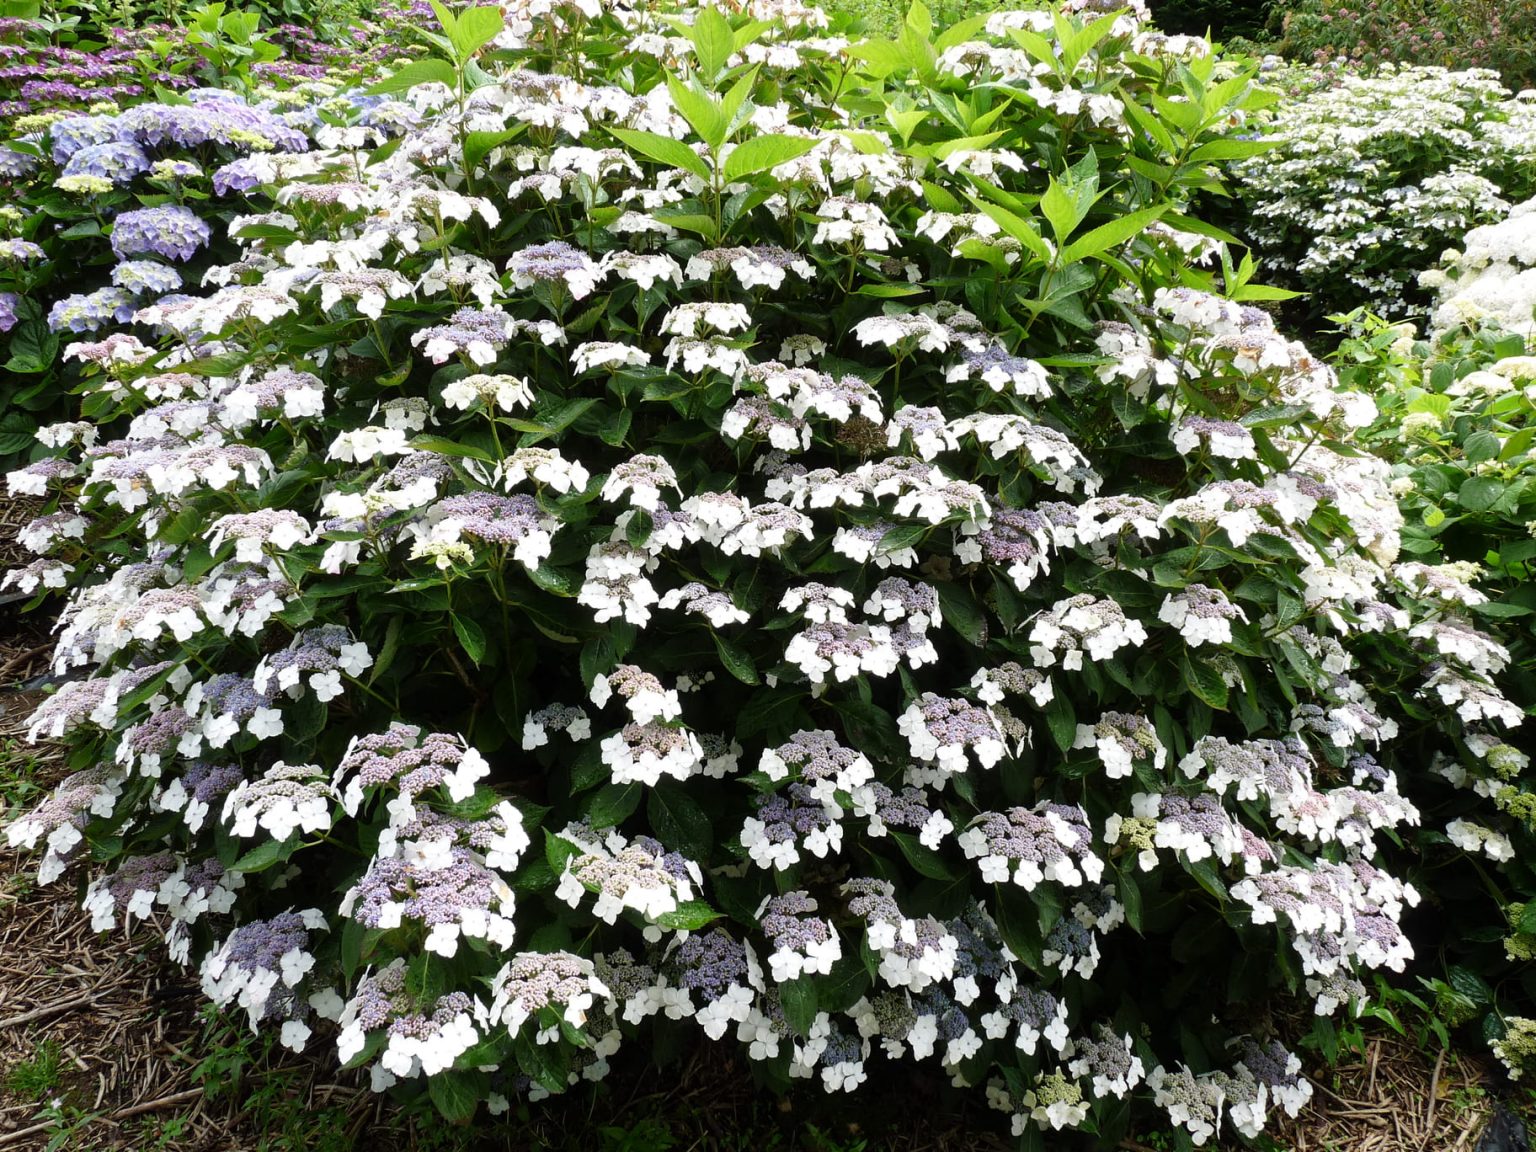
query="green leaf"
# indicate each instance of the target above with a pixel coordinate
(471, 636)
(903, 536)
(704, 113)
(713, 41)
(1204, 680)
(1130, 896)
(962, 613)
(760, 153)
(553, 580)
(265, 855)
(33, 348)
(1518, 443)
(1470, 984)
(690, 222)
(663, 150)
(798, 997)
(1061, 211)
(456, 1095)
(478, 145)
(613, 803)
(1480, 493)
(417, 72)
(446, 447)
(475, 28)
(1018, 920)
(1111, 235)
(1227, 149)
(842, 989)
(1017, 227)
(678, 821)
(924, 860)
(1061, 719)
(1205, 874)
(597, 657)
(736, 659)
(689, 916)
(896, 291)
(545, 1063)
(388, 650)
(445, 18)
(1480, 446)
(557, 850)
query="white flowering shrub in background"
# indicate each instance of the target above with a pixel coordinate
(721, 530)
(1490, 278)
(1457, 421)
(1375, 174)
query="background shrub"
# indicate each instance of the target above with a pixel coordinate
(100, 18)
(1489, 278)
(1373, 176)
(1456, 34)
(1458, 418)
(56, 258)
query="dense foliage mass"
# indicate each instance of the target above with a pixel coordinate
(86, 19)
(1496, 34)
(1375, 175)
(670, 522)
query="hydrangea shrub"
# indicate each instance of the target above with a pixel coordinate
(720, 530)
(97, 169)
(1374, 174)
(1458, 415)
(1488, 279)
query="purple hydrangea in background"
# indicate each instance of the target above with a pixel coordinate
(16, 165)
(8, 302)
(116, 160)
(20, 250)
(170, 231)
(207, 121)
(86, 313)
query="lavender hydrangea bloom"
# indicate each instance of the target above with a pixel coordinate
(170, 231)
(77, 132)
(146, 277)
(711, 963)
(8, 302)
(261, 965)
(220, 119)
(240, 175)
(116, 160)
(88, 312)
(16, 165)
(21, 251)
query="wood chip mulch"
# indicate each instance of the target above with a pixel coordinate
(1393, 1098)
